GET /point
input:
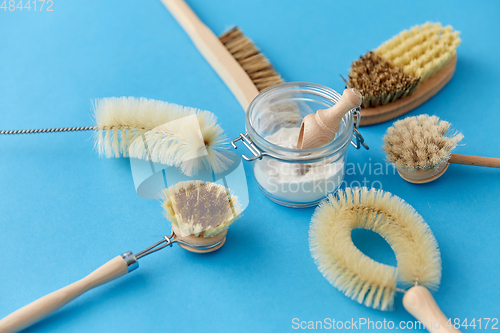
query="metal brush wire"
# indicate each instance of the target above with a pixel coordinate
(50, 130)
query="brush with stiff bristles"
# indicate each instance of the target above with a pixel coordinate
(361, 278)
(162, 132)
(420, 149)
(237, 61)
(212, 206)
(405, 71)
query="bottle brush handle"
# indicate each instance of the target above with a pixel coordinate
(50, 303)
(419, 302)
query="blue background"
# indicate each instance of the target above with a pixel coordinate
(64, 211)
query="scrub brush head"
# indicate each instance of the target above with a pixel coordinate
(378, 82)
(419, 142)
(162, 132)
(358, 276)
(202, 209)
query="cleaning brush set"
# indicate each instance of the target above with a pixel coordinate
(298, 134)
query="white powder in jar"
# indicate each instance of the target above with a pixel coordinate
(288, 181)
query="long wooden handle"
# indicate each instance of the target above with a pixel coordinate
(419, 302)
(475, 160)
(50, 303)
(230, 71)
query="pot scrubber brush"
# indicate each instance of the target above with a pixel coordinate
(212, 238)
(360, 277)
(420, 149)
(185, 200)
(405, 71)
(123, 124)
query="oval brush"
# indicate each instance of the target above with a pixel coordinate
(365, 280)
(421, 151)
(208, 207)
(138, 128)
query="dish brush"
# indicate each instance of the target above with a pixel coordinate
(361, 278)
(214, 201)
(237, 61)
(420, 149)
(149, 129)
(319, 128)
(404, 71)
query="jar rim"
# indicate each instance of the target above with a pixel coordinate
(302, 154)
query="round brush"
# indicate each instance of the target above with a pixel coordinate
(369, 282)
(421, 150)
(206, 207)
(159, 131)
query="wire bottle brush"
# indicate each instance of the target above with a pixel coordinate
(162, 132)
(361, 278)
(404, 71)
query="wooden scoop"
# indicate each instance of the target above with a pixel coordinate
(319, 128)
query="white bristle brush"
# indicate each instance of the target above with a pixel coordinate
(365, 280)
(211, 202)
(149, 129)
(421, 150)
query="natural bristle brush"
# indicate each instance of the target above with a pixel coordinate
(159, 131)
(404, 71)
(421, 150)
(200, 213)
(369, 282)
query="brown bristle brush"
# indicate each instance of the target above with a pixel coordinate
(405, 71)
(421, 150)
(238, 62)
(363, 279)
(200, 213)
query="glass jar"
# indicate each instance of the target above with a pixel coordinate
(289, 176)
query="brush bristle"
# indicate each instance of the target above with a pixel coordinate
(255, 64)
(358, 276)
(419, 142)
(397, 67)
(125, 124)
(202, 209)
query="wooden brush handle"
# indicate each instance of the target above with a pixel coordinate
(419, 302)
(50, 303)
(475, 160)
(230, 71)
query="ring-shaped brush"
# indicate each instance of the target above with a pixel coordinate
(210, 198)
(361, 278)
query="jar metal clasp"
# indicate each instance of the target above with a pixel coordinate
(357, 141)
